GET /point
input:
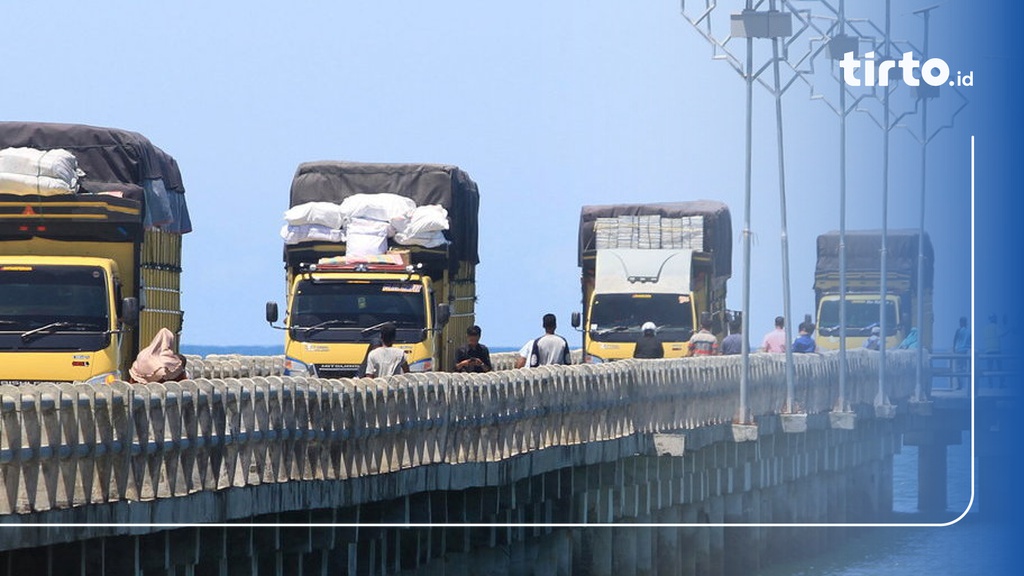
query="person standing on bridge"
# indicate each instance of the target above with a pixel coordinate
(962, 345)
(804, 344)
(473, 356)
(386, 360)
(703, 342)
(733, 343)
(775, 341)
(547, 349)
(649, 346)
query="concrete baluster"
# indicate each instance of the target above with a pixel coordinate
(301, 423)
(343, 423)
(129, 466)
(173, 440)
(287, 430)
(247, 435)
(10, 447)
(188, 440)
(47, 405)
(207, 449)
(319, 405)
(156, 463)
(232, 471)
(360, 429)
(81, 443)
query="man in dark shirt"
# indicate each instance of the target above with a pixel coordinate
(733, 343)
(474, 356)
(648, 346)
(805, 342)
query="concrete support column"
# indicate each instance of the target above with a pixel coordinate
(716, 544)
(931, 478)
(669, 552)
(689, 545)
(601, 549)
(624, 543)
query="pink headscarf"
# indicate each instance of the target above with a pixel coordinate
(158, 362)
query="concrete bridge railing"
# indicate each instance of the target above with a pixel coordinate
(64, 445)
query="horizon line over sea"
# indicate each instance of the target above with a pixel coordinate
(274, 350)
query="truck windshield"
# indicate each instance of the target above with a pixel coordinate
(618, 317)
(53, 307)
(862, 316)
(342, 311)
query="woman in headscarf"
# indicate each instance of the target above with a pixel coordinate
(158, 362)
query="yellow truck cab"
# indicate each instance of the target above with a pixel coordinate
(86, 279)
(863, 287)
(661, 263)
(336, 303)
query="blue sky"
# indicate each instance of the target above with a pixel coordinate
(547, 105)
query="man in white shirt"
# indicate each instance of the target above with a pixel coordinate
(386, 360)
(547, 349)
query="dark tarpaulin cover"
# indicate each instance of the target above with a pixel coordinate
(113, 159)
(449, 186)
(717, 225)
(864, 248)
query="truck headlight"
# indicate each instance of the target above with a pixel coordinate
(104, 379)
(293, 367)
(425, 365)
(591, 359)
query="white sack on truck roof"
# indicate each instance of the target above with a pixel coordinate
(326, 214)
(425, 227)
(26, 170)
(310, 233)
(381, 207)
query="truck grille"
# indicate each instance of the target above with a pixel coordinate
(336, 370)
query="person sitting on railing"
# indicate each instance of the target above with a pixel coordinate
(473, 356)
(874, 342)
(911, 342)
(158, 362)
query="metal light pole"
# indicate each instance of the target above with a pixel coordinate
(790, 377)
(924, 94)
(741, 416)
(918, 396)
(749, 24)
(843, 365)
(881, 399)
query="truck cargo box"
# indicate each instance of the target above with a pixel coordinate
(863, 254)
(449, 186)
(713, 217)
(114, 160)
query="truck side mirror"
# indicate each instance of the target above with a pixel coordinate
(130, 311)
(575, 320)
(442, 314)
(271, 312)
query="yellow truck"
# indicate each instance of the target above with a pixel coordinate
(336, 303)
(89, 274)
(662, 263)
(864, 283)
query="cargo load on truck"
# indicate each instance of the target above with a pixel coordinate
(863, 286)
(382, 242)
(81, 253)
(665, 263)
